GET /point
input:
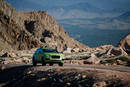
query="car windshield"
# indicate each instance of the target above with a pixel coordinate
(50, 51)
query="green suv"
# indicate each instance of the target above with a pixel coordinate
(47, 55)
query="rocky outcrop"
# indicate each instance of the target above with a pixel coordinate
(116, 51)
(125, 44)
(92, 60)
(26, 30)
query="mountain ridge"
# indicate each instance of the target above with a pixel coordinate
(26, 30)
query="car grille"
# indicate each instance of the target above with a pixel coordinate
(55, 57)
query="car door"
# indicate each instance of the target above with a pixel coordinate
(39, 55)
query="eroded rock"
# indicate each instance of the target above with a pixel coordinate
(68, 50)
(92, 60)
(125, 44)
(116, 51)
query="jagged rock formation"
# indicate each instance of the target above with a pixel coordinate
(125, 44)
(116, 51)
(26, 30)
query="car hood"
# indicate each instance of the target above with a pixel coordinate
(51, 54)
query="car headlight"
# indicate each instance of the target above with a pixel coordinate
(62, 57)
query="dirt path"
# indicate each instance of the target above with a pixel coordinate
(114, 68)
(67, 76)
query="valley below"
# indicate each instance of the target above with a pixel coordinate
(95, 32)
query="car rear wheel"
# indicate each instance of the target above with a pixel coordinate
(43, 63)
(34, 62)
(60, 64)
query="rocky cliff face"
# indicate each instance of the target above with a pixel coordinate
(26, 30)
(125, 43)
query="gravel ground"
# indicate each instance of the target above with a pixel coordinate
(67, 76)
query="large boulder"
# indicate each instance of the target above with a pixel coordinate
(116, 51)
(5, 55)
(102, 50)
(68, 50)
(27, 60)
(5, 61)
(125, 44)
(76, 50)
(9, 54)
(92, 60)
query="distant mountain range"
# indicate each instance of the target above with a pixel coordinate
(98, 31)
(83, 10)
(80, 10)
(70, 9)
(124, 17)
(121, 22)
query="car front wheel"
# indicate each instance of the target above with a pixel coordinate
(51, 64)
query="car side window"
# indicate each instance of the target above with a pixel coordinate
(40, 51)
(37, 51)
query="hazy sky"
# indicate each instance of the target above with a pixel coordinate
(98, 3)
(108, 3)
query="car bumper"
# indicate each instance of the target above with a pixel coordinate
(54, 61)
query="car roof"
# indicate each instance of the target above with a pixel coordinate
(48, 49)
(41, 49)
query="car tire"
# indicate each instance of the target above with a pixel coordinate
(43, 63)
(34, 62)
(51, 64)
(60, 64)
